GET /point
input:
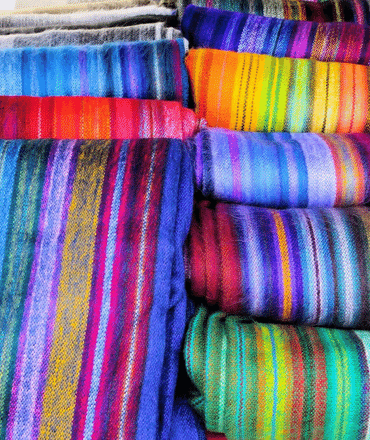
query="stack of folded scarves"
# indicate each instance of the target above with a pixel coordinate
(279, 249)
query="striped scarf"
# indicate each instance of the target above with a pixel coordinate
(304, 266)
(252, 92)
(345, 42)
(24, 117)
(282, 170)
(129, 70)
(93, 302)
(264, 381)
(61, 37)
(355, 11)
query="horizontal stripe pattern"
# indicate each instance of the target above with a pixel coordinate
(24, 117)
(212, 28)
(265, 381)
(93, 231)
(122, 70)
(250, 92)
(304, 266)
(282, 170)
(353, 11)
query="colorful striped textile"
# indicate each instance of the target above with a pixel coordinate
(62, 37)
(250, 92)
(282, 170)
(143, 70)
(304, 266)
(24, 117)
(93, 300)
(353, 11)
(344, 42)
(265, 381)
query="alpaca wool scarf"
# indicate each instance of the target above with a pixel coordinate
(93, 300)
(344, 42)
(307, 266)
(60, 37)
(25, 117)
(264, 381)
(282, 170)
(143, 70)
(354, 11)
(250, 92)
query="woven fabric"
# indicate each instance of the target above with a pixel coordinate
(344, 42)
(128, 70)
(354, 11)
(60, 37)
(63, 6)
(264, 381)
(93, 299)
(282, 170)
(306, 266)
(252, 92)
(25, 117)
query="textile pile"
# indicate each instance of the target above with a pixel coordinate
(185, 241)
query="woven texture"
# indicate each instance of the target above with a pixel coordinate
(128, 70)
(354, 11)
(60, 37)
(345, 42)
(93, 320)
(252, 92)
(282, 170)
(265, 381)
(24, 117)
(307, 266)
(65, 6)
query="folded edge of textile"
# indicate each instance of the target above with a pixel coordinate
(251, 92)
(100, 227)
(282, 170)
(212, 28)
(24, 117)
(301, 266)
(257, 381)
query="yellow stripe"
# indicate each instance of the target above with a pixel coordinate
(258, 66)
(333, 98)
(283, 246)
(318, 106)
(73, 295)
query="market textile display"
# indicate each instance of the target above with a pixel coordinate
(251, 92)
(79, 37)
(282, 170)
(92, 322)
(145, 70)
(265, 381)
(344, 42)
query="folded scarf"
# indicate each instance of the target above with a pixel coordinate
(282, 170)
(60, 37)
(185, 424)
(264, 381)
(345, 42)
(91, 18)
(145, 70)
(24, 117)
(306, 266)
(262, 93)
(93, 302)
(355, 11)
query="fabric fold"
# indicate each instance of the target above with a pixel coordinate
(261, 381)
(94, 232)
(24, 117)
(233, 31)
(250, 92)
(302, 266)
(282, 170)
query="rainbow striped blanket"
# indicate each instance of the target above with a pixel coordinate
(250, 92)
(344, 42)
(93, 303)
(264, 381)
(304, 266)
